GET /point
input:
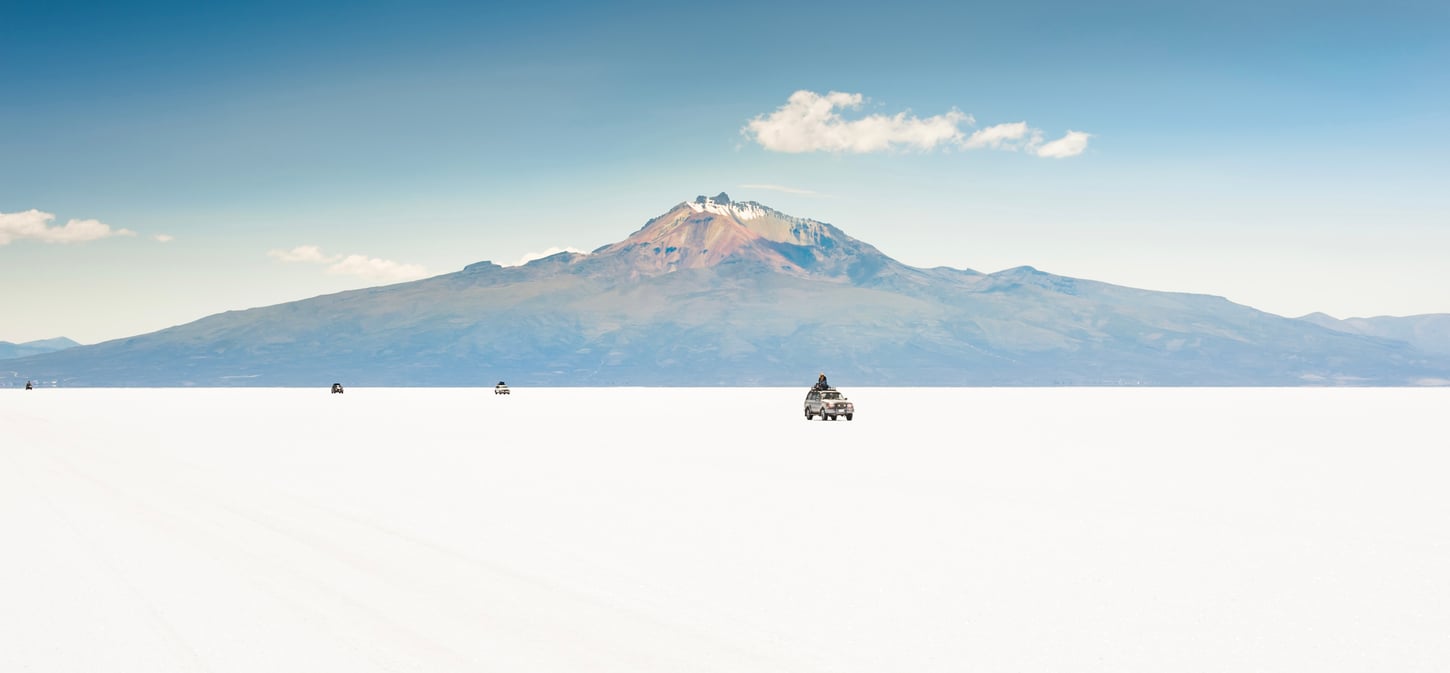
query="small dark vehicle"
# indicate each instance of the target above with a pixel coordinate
(828, 403)
(501, 389)
(337, 387)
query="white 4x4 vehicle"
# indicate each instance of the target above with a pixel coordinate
(828, 403)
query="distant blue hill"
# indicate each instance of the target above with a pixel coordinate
(10, 350)
(715, 292)
(1429, 333)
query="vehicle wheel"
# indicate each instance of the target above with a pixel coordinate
(808, 414)
(823, 415)
(848, 416)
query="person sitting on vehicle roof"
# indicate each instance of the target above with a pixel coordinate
(821, 382)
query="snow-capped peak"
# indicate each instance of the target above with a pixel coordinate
(720, 204)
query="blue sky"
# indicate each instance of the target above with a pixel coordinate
(164, 161)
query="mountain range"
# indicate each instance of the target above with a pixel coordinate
(10, 350)
(717, 292)
(1429, 333)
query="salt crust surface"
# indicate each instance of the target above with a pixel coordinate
(716, 530)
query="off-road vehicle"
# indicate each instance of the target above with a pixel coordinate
(828, 404)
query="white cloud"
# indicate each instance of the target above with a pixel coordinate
(35, 225)
(164, 238)
(372, 268)
(809, 122)
(531, 256)
(784, 190)
(1070, 145)
(1002, 136)
(303, 253)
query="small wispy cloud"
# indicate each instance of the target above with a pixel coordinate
(35, 225)
(531, 256)
(784, 190)
(163, 238)
(302, 253)
(812, 122)
(1070, 145)
(1002, 136)
(372, 268)
(362, 266)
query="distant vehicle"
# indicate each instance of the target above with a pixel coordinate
(501, 389)
(828, 404)
(337, 387)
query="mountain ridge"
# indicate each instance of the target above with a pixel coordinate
(9, 350)
(718, 292)
(1429, 332)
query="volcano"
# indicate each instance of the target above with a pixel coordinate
(716, 292)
